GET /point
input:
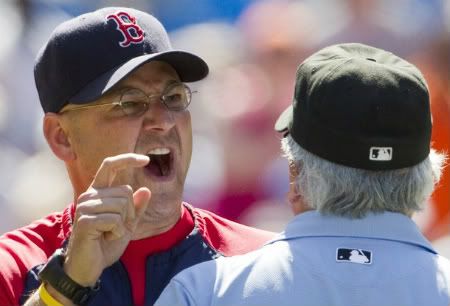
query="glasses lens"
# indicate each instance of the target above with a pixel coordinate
(176, 96)
(133, 102)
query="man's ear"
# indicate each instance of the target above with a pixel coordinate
(294, 169)
(57, 137)
(295, 197)
(294, 194)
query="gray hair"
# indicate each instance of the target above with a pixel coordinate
(336, 189)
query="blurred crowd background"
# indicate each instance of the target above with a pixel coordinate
(253, 49)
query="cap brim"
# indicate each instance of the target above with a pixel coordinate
(283, 121)
(190, 68)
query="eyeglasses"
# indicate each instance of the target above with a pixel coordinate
(133, 102)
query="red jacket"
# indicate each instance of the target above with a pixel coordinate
(198, 236)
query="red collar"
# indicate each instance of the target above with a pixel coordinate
(135, 255)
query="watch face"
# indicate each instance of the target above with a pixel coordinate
(53, 273)
(53, 269)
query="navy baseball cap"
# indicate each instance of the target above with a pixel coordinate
(87, 55)
(361, 107)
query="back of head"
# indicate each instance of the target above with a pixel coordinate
(362, 116)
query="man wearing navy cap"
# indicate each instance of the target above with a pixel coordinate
(357, 138)
(115, 102)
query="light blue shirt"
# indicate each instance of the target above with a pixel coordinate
(382, 259)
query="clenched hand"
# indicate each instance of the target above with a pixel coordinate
(105, 219)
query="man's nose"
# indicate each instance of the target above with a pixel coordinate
(158, 117)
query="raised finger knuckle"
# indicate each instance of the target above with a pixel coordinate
(88, 194)
(84, 221)
(126, 189)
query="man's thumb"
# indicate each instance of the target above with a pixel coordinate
(141, 198)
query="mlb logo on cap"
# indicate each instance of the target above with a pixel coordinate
(380, 153)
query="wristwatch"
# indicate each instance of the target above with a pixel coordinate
(53, 273)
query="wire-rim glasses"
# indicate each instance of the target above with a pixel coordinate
(134, 102)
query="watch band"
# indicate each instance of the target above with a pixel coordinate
(53, 273)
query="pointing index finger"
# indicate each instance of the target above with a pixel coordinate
(110, 166)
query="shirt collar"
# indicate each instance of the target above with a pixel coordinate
(387, 226)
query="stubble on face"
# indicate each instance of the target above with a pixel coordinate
(98, 136)
(165, 191)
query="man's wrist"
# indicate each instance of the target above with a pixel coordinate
(62, 284)
(83, 281)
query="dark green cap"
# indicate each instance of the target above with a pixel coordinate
(361, 107)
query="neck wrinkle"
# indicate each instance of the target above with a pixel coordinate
(146, 229)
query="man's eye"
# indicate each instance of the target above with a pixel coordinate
(133, 107)
(175, 98)
(129, 104)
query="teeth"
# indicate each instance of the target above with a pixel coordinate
(159, 151)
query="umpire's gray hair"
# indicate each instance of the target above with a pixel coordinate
(339, 190)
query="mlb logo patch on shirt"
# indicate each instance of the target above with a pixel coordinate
(354, 255)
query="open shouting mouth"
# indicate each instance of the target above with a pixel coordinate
(161, 162)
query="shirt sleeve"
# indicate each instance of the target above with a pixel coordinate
(5, 296)
(6, 285)
(176, 294)
(193, 286)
